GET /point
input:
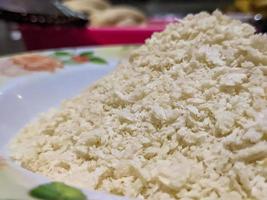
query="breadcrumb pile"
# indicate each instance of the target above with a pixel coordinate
(185, 117)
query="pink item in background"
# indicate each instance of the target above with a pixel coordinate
(37, 37)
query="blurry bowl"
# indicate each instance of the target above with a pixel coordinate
(38, 37)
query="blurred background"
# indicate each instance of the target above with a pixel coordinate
(43, 24)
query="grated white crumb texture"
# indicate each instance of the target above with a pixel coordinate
(184, 118)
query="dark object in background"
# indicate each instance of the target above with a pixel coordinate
(260, 22)
(43, 12)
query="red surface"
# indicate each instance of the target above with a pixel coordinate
(36, 37)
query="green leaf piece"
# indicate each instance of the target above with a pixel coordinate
(69, 62)
(57, 191)
(62, 53)
(98, 60)
(88, 54)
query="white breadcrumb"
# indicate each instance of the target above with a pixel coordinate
(184, 118)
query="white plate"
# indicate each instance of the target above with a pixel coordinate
(22, 99)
